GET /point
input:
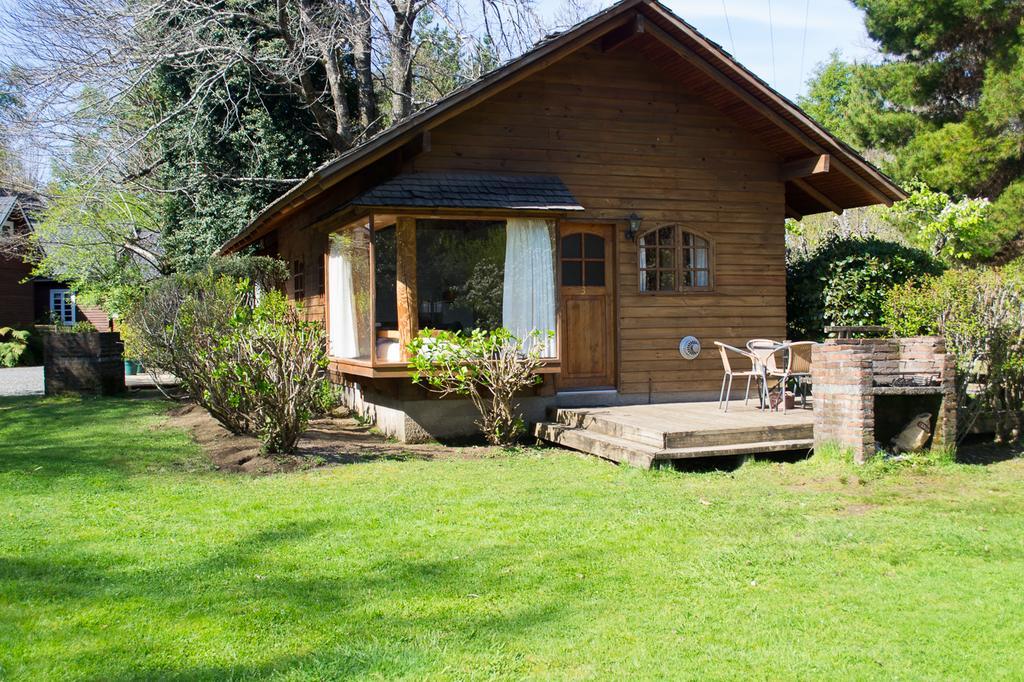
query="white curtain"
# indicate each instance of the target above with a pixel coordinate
(642, 243)
(529, 294)
(343, 334)
(700, 261)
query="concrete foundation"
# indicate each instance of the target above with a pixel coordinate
(422, 418)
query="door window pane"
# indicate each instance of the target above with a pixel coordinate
(572, 273)
(594, 274)
(593, 247)
(571, 247)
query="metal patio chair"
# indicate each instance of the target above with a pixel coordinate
(730, 373)
(765, 363)
(798, 366)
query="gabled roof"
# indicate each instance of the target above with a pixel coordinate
(852, 181)
(472, 190)
(11, 207)
(7, 205)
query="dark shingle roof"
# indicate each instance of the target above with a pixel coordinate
(472, 190)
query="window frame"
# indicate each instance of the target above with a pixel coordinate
(677, 268)
(68, 301)
(374, 221)
(299, 278)
(582, 259)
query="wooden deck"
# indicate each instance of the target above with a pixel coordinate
(642, 435)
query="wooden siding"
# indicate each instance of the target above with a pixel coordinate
(296, 242)
(625, 137)
(16, 303)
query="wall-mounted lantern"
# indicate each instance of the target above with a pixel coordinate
(634, 226)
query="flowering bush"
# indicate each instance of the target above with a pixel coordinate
(488, 367)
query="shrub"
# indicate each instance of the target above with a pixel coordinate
(844, 281)
(180, 326)
(489, 367)
(276, 365)
(980, 312)
(256, 367)
(13, 343)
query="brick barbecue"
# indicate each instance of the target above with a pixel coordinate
(865, 390)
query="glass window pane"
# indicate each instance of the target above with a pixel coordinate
(666, 258)
(701, 278)
(666, 281)
(700, 258)
(385, 270)
(594, 274)
(649, 258)
(572, 246)
(572, 273)
(665, 235)
(649, 280)
(593, 246)
(460, 273)
(350, 330)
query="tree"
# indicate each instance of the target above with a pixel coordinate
(207, 111)
(952, 231)
(844, 281)
(946, 103)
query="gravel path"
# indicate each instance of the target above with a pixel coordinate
(21, 381)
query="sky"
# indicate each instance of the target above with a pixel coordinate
(779, 40)
(755, 27)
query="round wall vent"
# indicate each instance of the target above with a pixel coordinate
(689, 347)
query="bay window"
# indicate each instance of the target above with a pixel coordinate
(390, 276)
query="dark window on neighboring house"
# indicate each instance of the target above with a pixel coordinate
(299, 279)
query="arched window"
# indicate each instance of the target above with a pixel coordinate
(672, 259)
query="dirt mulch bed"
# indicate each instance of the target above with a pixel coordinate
(330, 441)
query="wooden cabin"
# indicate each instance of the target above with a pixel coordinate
(624, 184)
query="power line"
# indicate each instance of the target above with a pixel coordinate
(729, 26)
(771, 37)
(803, 48)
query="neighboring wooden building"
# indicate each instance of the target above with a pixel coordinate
(624, 183)
(27, 300)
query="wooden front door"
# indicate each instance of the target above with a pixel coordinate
(587, 272)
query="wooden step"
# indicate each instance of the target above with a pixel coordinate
(598, 422)
(683, 435)
(599, 444)
(737, 449)
(730, 435)
(627, 451)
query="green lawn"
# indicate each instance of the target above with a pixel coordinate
(122, 556)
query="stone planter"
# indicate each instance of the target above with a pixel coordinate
(88, 363)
